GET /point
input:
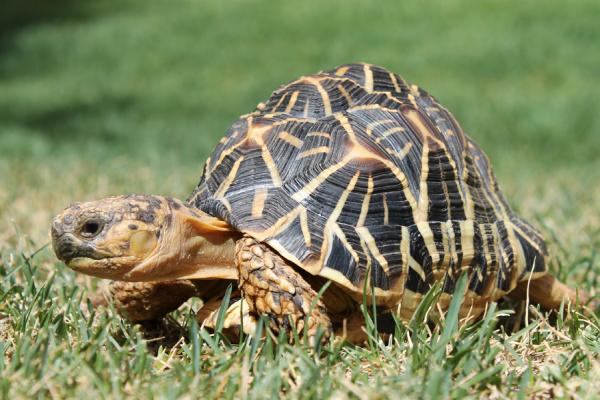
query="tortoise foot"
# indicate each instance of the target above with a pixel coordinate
(274, 289)
(237, 319)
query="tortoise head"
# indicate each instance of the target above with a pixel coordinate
(141, 238)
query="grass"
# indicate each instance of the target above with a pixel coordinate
(115, 97)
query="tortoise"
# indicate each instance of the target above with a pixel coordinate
(352, 176)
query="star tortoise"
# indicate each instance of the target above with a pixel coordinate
(352, 176)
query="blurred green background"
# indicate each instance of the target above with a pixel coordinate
(102, 97)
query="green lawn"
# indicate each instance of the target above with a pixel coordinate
(108, 97)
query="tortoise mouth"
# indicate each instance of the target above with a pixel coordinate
(110, 267)
(68, 248)
(83, 263)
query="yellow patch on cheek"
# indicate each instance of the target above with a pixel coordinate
(142, 242)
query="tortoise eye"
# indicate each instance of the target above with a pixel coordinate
(91, 228)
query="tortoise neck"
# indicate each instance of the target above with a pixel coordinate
(211, 256)
(192, 245)
(207, 245)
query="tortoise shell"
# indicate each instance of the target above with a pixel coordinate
(355, 175)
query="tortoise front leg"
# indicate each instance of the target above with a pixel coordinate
(271, 287)
(149, 301)
(142, 302)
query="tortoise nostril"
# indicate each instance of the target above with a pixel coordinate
(90, 228)
(64, 247)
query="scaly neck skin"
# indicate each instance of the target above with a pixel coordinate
(194, 245)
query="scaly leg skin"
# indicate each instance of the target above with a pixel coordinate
(148, 301)
(273, 288)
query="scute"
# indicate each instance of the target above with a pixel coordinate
(358, 176)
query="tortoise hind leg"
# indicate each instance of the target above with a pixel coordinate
(273, 288)
(548, 292)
